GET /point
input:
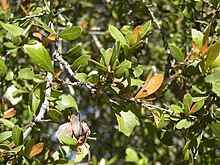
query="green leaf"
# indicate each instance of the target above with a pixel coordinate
(44, 26)
(3, 69)
(137, 71)
(16, 149)
(176, 53)
(212, 78)
(183, 124)
(100, 66)
(34, 103)
(117, 35)
(40, 56)
(187, 102)
(67, 101)
(131, 155)
(146, 28)
(55, 114)
(198, 90)
(197, 106)
(71, 33)
(5, 135)
(197, 36)
(216, 88)
(126, 121)
(73, 52)
(26, 73)
(7, 123)
(13, 29)
(17, 135)
(84, 151)
(166, 138)
(215, 126)
(123, 67)
(176, 109)
(81, 77)
(213, 53)
(67, 140)
(82, 61)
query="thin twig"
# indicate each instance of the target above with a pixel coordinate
(29, 16)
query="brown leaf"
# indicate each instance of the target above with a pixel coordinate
(5, 5)
(135, 36)
(36, 149)
(150, 86)
(9, 113)
(195, 47)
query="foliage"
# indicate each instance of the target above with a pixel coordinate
(141, 77)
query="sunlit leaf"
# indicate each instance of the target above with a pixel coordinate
(12, 28)
(67, 101)
(3, 69)
(126, 121)
(5, 135)
(213, 53)
(122, 67)
(7, 123)
(71, 33)
(206, 37)
(150, 87)
(82, 61)
(197, 36)
(9, 113)
(117, 35)
(26, 73)
(197, 106)
(131, 155)
(187, 102)
(40, 56)
(135, 36)
(215, 126)
(183, 124)
(36, 149)
(176, 53)
(146, 28)
(67, 140)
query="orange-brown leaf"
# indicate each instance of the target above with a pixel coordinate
(193, 108)
(5, 5)
(38, 35)
(135, 35)
(150, 86)
(9, 113)
(195, 47)
(36, 149)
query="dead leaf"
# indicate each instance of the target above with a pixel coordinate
(36, 149)
(9, 113)
(135, 36)
(150, 86)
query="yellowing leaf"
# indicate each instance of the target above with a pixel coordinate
(36, 149)
(150, 86)
(5, 5)
(9, 113)
(135, 36)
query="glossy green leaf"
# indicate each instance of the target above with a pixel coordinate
(197, 36)
(7, 123)
(176, 109)
(5, 135)
(126, 121)
(12, 28)
(35, 103)
(17, 135)
(82, 61)
(131, 155)
(67, 101)
(215, 126)
(67, 140)
(213, 53)
(71, 33)
(40, 56)
(212, 78)
(137, 71)
(187, 102)
(81, 77)
(198, 90)
(3, 69)
(216, 88)
(117, 35)
(123, 67)
(146, 28)
(183, 124)
(26, 73)
(176, 53)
